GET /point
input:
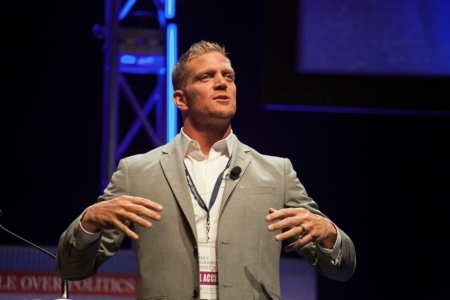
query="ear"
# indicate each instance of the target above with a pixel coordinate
(179, 98)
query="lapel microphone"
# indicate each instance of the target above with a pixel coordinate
(235, 172)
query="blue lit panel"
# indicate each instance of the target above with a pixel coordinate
(384, 37)
(172, 122)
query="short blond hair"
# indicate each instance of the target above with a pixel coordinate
(180, 70)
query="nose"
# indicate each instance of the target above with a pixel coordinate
(221, 82)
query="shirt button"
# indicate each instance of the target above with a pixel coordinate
(195, 294)
(194, 145)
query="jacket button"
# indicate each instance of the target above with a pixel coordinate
(196, 294)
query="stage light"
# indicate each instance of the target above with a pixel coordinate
(172, 121)
(170, 9)
(128, 59)
(126, 8)
(142, 38)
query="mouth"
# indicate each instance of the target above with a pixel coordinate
(221, 98)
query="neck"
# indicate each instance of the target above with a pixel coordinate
(206, 135)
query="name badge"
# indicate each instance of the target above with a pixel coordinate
(209, 276)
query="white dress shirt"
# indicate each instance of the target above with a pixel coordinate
(204, 172)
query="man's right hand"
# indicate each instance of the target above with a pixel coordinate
(114, 213)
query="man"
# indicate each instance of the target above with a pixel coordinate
(206, 213)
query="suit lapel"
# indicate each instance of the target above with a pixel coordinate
(242, 159)
(172, 166)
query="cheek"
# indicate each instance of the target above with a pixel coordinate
(196, 94)
(233, 89)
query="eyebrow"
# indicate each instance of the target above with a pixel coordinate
(209, 70)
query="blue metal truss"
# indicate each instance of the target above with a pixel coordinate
(141, 51)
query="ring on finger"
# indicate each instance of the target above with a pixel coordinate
(303, 230)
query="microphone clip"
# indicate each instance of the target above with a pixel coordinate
(234, 173)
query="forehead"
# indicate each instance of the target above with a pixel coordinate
(210, 60)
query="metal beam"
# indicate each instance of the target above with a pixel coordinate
(140, 51)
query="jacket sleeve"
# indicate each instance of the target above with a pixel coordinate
(343, 266)
(73, 263)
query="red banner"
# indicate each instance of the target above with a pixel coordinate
(209, 278)
(43, 282)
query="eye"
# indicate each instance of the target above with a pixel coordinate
(205, 77)
(229, 76)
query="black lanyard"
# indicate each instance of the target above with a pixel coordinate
(199, 198)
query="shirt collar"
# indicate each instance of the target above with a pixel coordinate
(189, 145)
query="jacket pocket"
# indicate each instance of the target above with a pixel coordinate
(258, 190)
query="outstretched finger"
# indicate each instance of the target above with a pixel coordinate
(280, 214)
(145, 202)
(298, 244)
(139, 210)
(125, 229)
(292, 232)
(137, 219)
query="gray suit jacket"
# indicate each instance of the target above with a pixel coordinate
(248, 255)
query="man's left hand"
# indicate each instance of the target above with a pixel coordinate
(302, 223)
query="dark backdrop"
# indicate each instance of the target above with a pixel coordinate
(383, 179)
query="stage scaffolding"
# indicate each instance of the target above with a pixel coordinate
(140, 39)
